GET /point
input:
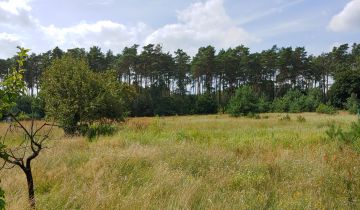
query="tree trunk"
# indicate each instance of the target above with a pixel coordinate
(30, 183)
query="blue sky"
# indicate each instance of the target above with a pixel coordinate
(41, 25)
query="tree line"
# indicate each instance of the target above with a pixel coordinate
(169, 84)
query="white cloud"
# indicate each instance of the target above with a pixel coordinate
(106, 34)
(348, 19)
(16, 13)
(199, 25)
(15, 6)
(8, 42)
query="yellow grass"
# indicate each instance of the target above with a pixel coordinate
(197, 162)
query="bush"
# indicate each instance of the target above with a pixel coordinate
(143, 105)
(301, 119)
(279, 105)
(244, 102)
(350, 136)
(205, 104)
(295, 101)
(352, 104)
(22, 116)
(285, 118)
(30, 106)
(313, 99)
(98, 129)
(253, 116)
(333, 132)
(2, 199)
(263, 105)
(325, 109)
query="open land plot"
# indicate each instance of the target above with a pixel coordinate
(197, 162)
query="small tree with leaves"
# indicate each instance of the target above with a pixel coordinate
(244, 102)
(15, 152)
(76, 97)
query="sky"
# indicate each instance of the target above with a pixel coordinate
(41, 25)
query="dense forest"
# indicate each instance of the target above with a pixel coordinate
(168, 84)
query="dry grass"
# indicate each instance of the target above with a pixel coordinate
(198, 162)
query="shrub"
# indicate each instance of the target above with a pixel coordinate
(98, 129)
(301, 119)
(350, 136)
(263, 105)
(352, 104)
(325, 109)
(285, 118)
(205, 104)
(295, 101)
(279, 105)
(333, 132)
(253, 116)
(31, 106)
(313, 99)
(2, 199)
(244, 102)
(22, 116)
(298, 105)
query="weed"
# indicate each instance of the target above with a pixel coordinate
(326, 109)
(285, 118)
(300, 119)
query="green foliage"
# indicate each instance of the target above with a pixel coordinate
(352, 104)
(74, 95)
(285, 118)
(31, 106)
(205, 104)
(300, 119)
(295, 101)
(253, 116)
(98, 129)
(2, 199)
(347, 81)
(142, 105)
(326, 109)
(244, 102)
(11, 88)
(350, 136)
(151, 101)
(333, 131)
(13, 84)
(263, 105)
(23, 116)
(313, 99)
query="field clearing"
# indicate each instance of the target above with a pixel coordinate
(197, 162)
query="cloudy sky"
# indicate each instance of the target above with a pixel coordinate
(188, 24)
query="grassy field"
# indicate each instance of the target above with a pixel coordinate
(198, 162)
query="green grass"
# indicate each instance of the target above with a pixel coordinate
(198, 162)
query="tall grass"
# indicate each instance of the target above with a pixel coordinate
(198, 162)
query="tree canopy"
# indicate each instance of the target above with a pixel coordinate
(169, 83)
(76, 96)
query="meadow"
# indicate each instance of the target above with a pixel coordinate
(197, 162)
